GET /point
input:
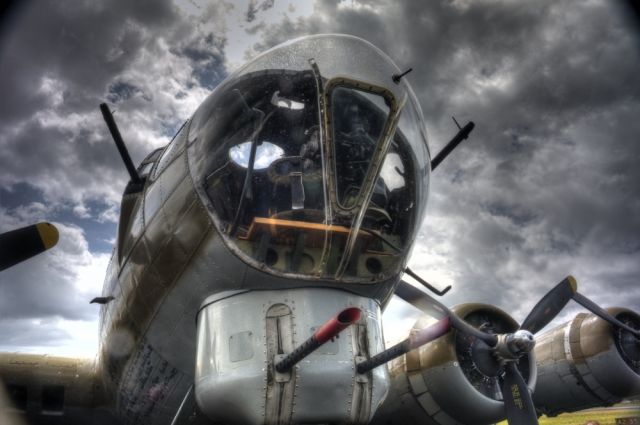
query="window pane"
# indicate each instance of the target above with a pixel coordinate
(358, 120)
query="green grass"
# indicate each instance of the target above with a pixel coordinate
(603, 416)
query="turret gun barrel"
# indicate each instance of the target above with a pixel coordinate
(453, 143)
(329, 330)
(416, 340)
(124, 153)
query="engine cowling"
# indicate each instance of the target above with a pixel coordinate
(453, 380)
(587, 363)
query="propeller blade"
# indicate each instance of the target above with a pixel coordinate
(421, 300)
(517, 399)
(21, 244)
(602, 313)
(424, 302)
(550, 305)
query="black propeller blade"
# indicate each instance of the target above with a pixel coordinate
(518, 402)
(550, 305)
(555, 300)
(424, 302)
(517, 399)
(21, 244)
(510, 347)
(602, 313)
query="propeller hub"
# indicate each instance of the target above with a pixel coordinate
(521, 341)
(513, 346)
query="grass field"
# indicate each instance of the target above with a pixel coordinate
(602, 416)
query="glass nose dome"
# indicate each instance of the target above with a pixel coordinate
(313, 162)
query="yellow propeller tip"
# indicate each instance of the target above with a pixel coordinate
(49, 234)
(573, 282)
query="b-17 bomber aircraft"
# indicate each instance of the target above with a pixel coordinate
(257, 250)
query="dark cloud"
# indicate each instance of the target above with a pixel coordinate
(59, 61)
(138, 55)
(548, 183)
(254, 7)
(207, 57)
(120, 91)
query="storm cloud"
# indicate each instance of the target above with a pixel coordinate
(547, 185)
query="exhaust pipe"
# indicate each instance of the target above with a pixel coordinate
(329, 330)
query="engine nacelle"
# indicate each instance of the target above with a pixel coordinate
(453, 380)
(586, 363)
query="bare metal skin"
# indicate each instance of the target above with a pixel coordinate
(293, 193)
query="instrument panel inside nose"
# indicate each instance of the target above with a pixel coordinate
(296, 245)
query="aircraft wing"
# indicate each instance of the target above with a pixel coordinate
(42, 389)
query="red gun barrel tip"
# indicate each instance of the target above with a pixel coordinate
(349, 315)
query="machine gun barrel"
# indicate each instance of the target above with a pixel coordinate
(417, 339)
(453, 143)
(330, 329)
(124, 153)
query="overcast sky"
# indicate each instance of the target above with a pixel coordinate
(548, 185)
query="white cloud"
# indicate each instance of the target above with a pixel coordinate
(45, 300)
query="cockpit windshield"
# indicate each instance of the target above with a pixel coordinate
(357, 125)
(305, 169)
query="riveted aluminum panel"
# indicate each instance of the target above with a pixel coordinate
(173, 175)
(140, 312)
(139, 259)
(173, 150)
(192, 227)
(157, 233)
(428, 403)
(417, 383)
(241, 346)
(129, 205)
(126, 281)
(152, 201)
(324, 382)
(134, 231)
(151, 388)
(178, 203)
(173, 332)
(403, 405)
(167, 188)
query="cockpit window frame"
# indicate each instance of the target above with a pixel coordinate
(381, 144)
(357, 211)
